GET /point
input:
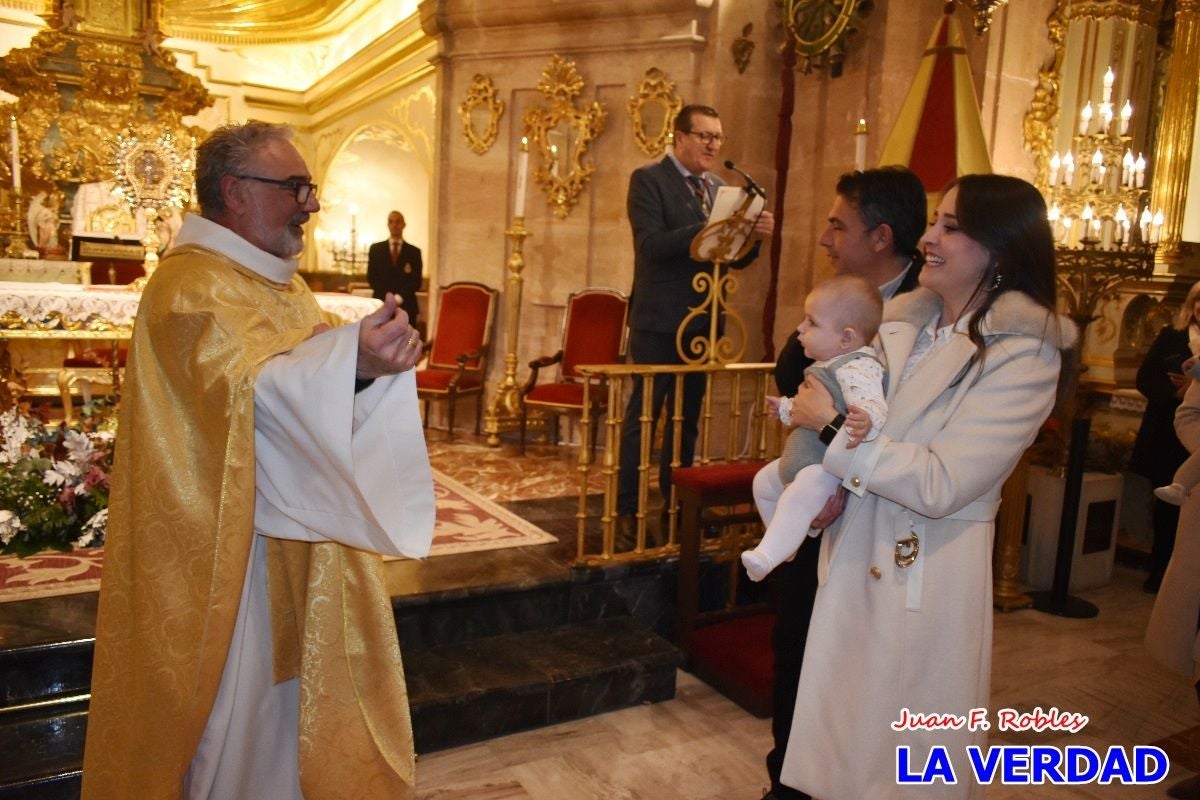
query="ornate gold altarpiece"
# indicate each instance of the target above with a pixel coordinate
(96, 72)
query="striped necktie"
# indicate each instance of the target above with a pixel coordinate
(700, 187)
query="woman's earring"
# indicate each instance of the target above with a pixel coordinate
(996, 280)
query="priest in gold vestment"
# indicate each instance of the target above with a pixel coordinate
(245, 645)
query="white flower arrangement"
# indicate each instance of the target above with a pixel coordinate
(54, 480)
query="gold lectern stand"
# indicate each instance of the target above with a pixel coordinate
(720, 241)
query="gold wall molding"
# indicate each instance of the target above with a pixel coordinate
(415, 117)
(480, 113)
(1041, 120)
(1142, 12)
(235, 22)
(653, 110)
(562, 132)
(1175, 144)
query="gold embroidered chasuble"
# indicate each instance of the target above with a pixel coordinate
(181, 523)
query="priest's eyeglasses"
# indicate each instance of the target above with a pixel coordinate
(303, 190)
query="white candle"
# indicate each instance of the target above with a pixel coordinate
(1139, 171)
(1156, 231)
(1127, 169)
(522, 172)
(1122, 222)
(1068, 169)
(1055, 166)
(1106, 117)
(15, 148)
(860, 145)
(1085, 119)
(1126, 115)
(1144, 225)
(1066, 237)
(1097, 161)
(1108, 84)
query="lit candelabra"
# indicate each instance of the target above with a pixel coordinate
(347, 253)
(1097, 189)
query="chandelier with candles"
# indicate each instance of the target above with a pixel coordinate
(1105, 233)
(1097, 188)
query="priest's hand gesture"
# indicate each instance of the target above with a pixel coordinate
(387, 344)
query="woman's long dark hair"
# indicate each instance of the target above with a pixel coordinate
(1008, 217)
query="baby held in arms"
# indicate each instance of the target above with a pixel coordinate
(841, 317)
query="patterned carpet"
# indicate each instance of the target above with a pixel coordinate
(466, 522)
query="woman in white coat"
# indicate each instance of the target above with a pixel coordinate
(903, 618)
(1173, 635)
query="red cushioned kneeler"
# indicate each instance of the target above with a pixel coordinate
(735, 658)
(729, 650)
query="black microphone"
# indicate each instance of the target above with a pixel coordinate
(750, 184)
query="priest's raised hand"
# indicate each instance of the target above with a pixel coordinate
(387, 343)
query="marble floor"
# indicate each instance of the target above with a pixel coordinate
(701, 746)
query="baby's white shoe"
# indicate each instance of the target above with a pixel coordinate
(756, 564)
(1173, 493)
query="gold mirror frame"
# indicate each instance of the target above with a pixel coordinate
(481, 95)
(562, 173)
(656, 89)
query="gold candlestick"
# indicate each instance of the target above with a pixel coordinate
(504, 410)
(16, 238)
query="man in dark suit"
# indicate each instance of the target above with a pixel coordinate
(668, 204)
(873, 228)
(394, 265)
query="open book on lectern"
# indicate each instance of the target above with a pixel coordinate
(726, 235)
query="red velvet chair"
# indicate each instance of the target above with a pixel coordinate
(456, 356)
(593, 333)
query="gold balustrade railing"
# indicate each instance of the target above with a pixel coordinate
(733, 426)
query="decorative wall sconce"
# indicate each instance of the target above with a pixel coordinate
(982, 11)
(480, 114)
(562, 133)
(742, 48)
(653, 110)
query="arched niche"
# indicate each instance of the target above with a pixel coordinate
(375, 171)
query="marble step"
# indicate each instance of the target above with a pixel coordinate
(452, 617)
(484, 688)
(458, 693)
(65, 785)
(42, 745)
(44, 671)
